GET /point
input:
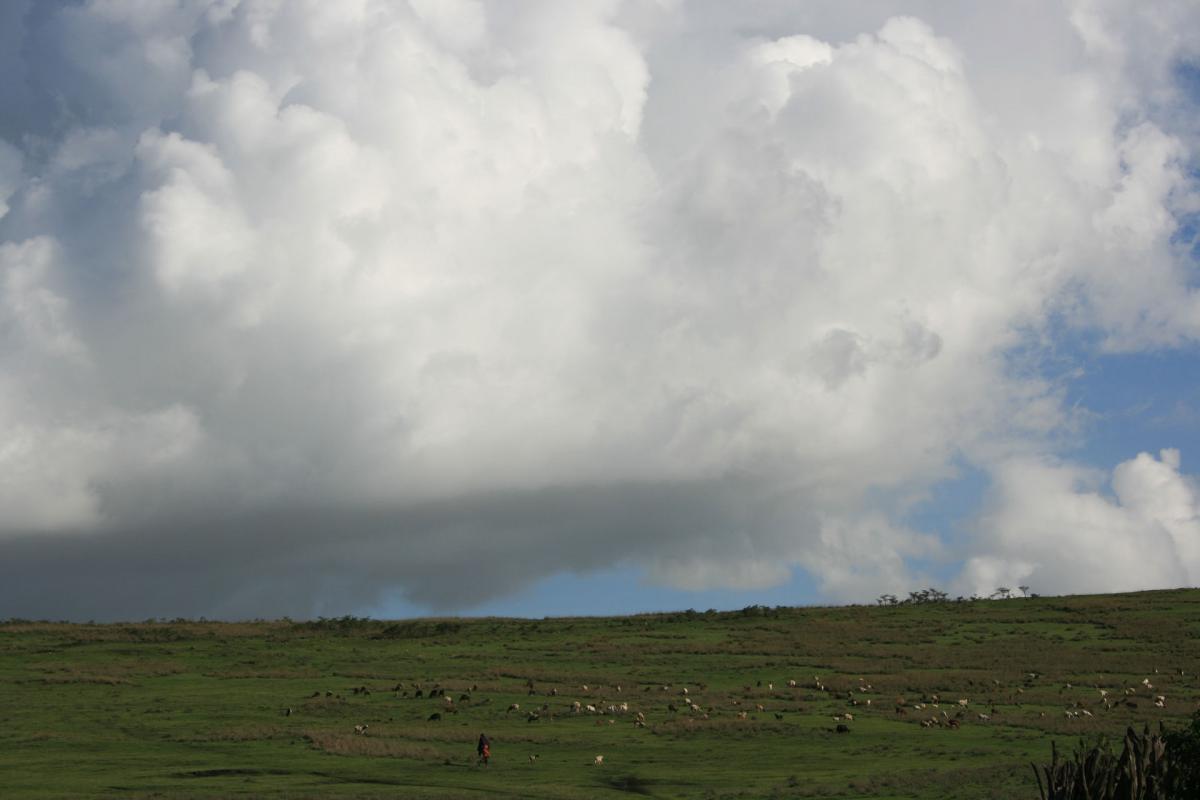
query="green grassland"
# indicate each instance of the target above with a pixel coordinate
(200, 709)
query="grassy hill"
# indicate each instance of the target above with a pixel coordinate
(201, 709)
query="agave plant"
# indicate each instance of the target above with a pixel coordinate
(1143, 771)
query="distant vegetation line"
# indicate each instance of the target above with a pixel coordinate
(920, 596)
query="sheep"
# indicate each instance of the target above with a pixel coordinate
(843, 728)
(513, 707)
(778, 715)
(984, 717)
(591, 709)
(964, 702)
(532, 758)
(598, 761)
(575, 707)
(361, 729)
(791, 684)
(287, 712)
(434, 717)
(741, 715)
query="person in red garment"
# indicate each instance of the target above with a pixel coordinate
(484, 749)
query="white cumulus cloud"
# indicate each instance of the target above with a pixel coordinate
(1054, 525)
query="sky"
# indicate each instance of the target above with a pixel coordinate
(408, 307)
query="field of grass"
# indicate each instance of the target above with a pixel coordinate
(199, 709)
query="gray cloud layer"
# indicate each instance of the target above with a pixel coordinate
(304, 302)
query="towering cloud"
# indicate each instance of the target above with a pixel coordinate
(303, 302)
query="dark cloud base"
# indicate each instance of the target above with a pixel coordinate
(306, 562)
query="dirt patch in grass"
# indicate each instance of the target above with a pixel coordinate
(282, 674)
(50, 680)
(353, 744)
(240, 733)
(324, 705)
